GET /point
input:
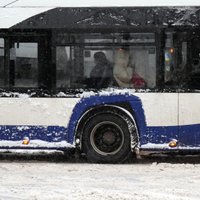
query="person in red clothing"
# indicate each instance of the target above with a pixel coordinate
(138, 81)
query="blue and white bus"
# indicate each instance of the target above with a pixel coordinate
(106, 79)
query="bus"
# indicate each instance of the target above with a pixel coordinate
(107, 79)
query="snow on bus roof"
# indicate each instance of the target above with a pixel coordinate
(5, 2)
(13, 12)
(11, 16)
(96, 3)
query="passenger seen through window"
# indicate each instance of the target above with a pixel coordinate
(101, 74)
(124, 71)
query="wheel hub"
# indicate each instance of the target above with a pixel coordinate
(109, 138)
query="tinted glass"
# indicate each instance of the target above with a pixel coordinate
(24, 64)
(1, 62)
(104, 61)
(193, 70)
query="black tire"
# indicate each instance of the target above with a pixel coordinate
(106, 138)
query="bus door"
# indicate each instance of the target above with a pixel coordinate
(188, 61)
(29, 62)
(27, 76)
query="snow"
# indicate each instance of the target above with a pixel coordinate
(11, 16)
(36, 111)
(35, 144)
(156, 146)
(5, 2)
(186, 16)
(99, 3)
(36, 180)
(110, 91)
(16, 11)
(165, 146)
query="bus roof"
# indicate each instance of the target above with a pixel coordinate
(13, 13)
(96, 3)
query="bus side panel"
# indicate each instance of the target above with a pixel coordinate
(189, 119)
(156, 115)
(161, 113)
(41, 120)
(36, 111)
(46, 119)
(91, 102)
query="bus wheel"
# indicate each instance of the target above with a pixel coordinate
(106, 138)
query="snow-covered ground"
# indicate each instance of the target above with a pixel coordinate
(52, 180)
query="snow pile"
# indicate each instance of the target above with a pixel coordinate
(42, 181)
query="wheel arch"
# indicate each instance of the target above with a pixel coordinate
(108, 108)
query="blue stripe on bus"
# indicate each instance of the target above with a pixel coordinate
(45, 133)
(188, 135)
(159, 135)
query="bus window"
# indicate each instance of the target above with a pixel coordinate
(63, 66)
(24, 65)
(68, 67)
(183, 54)
(98, 62)
(90, 61)
(143, 60)
(98, 38)
(192, 72)
(137, 69)
(1, 62)
(182, 63)
(169, 60)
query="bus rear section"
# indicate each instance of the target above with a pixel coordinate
(108, 81)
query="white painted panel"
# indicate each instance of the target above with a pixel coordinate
(11, 16)
(5, 2)
(189, 108)
(161, 109)
(36, 111)
(84, 3)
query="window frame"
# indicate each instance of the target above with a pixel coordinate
(180, 35)
(40, 37)
(82, 44)
(4, 60)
